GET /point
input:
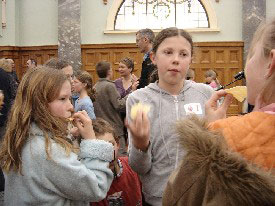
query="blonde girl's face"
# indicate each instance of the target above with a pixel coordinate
(172, 58)
(255, 71)
(78, 85)
(123, 70)
(61, 106)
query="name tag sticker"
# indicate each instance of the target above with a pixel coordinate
(193, 108)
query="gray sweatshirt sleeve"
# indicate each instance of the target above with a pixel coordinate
(87, 179)
(140, 162)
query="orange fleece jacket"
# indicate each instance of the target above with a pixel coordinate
(252, 135)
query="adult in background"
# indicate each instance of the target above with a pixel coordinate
(31, 63)
(61, 64)
(144, 41)
(108, 102)
(127, 83)
(7, 90)
(14, 79)
(13, 73)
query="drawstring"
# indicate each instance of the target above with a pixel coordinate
(161, 132)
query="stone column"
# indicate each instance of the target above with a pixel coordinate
(69, 36)
(254, 11)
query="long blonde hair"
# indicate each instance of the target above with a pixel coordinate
(38, 87)
(265, 34)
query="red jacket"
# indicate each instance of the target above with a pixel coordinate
(129, 186)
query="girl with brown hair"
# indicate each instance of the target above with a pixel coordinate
(153, 147)
(40, 163)
(83, 84)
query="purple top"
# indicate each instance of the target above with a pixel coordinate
(120, 88)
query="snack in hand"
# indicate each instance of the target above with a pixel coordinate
(139, 107)
(239, 92)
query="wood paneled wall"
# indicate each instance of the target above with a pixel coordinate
(226, 58)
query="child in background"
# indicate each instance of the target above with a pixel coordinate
(190, 75)
(83, 84)
(211, 79)
(43, 167)
(154, 151)
(125, 188)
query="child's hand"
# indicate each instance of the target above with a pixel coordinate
(75, 132)
(212, 111)
(140, 130)
(84, 125)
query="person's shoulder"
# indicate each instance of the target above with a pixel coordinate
(119, 80)
(142, 94)
(85, 100)
(202, 88)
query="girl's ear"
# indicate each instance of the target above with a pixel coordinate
(85, 85)
(153, 58)
(271, 66)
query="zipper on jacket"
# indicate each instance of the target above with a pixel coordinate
(177, 106)
(176, 101)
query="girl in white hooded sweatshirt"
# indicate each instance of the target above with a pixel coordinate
(154, 151)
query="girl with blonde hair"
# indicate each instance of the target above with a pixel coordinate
(40, 163)
(231, 161)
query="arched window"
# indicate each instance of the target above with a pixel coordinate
(159, 14)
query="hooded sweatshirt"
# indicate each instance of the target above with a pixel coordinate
(63, 180)
(156, 164)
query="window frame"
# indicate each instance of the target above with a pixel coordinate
(114, 9)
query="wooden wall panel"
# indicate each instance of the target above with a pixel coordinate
(226, 58)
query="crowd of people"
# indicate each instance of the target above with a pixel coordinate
(87, 149)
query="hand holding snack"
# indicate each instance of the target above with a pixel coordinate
(84, 125)
(212, 111)
(140, 126)
(139, 107)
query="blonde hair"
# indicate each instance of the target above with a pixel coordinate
(6, 64)
(85, 77)
(265, 35)
(39, 87)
